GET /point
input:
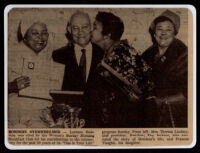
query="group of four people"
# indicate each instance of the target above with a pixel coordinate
(86, 48)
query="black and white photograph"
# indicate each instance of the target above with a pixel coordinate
(96, 68)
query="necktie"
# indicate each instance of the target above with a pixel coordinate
(82, 66)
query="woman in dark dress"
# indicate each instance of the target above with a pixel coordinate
(168, 59)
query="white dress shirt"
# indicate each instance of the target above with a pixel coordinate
(88, 53)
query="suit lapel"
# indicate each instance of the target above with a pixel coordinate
(73, 57)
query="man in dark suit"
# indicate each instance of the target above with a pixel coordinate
(80, 56)
(79, 53)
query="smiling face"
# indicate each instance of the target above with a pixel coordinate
(37, 36)
(164, 33)
(81, 29)
(97, 36)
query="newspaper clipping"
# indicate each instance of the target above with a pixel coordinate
(99, 76)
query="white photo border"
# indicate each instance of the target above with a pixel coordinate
(6, 11)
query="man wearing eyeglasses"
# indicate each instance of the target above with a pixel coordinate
(80, 56)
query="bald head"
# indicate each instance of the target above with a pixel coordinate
(80, 28)
(79, 14)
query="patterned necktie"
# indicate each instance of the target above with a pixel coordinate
(82, 66)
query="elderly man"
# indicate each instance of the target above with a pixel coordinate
(80, 57)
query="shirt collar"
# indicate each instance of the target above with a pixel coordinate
(87, 48)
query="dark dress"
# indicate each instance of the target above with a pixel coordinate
(170, 73)
(114, 108)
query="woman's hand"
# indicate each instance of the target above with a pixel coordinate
(177, 98)
(18, 84)
(22, 82)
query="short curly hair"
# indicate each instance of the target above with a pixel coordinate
(112, 25)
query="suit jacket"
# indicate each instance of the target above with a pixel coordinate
(72, 80)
